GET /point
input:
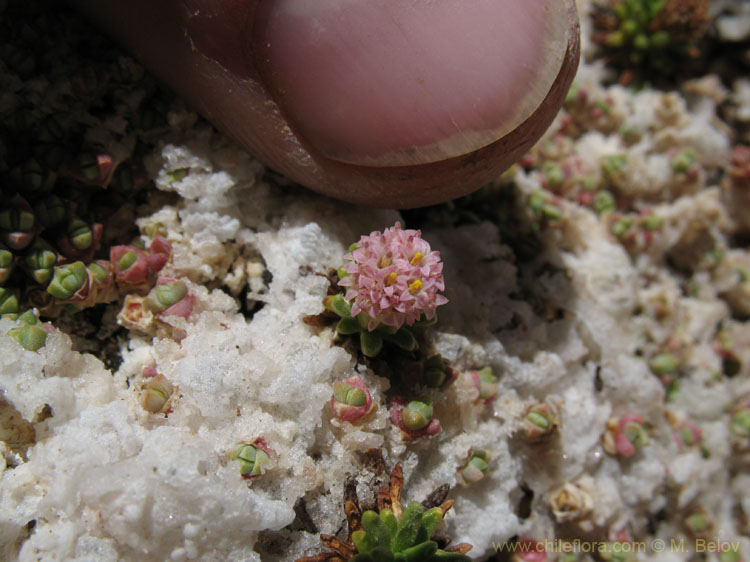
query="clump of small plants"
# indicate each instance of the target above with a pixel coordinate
(388, 532)
(381, 301)
(65, 167)
(649, 35)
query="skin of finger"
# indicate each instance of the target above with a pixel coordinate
(200, 49)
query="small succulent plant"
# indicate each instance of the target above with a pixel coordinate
(625, 435)
(391, 533)
(486, 384)
(29, 332)
(10, 300)
(254, 457)
(476, 466)
(698, 523)
(414, 418)
(664, 364)
(157, 392)
(435, 373)
(540, 422)
(545, 206)
(150, 314)
(687, 434)
(351, 400)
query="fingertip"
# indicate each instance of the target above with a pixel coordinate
(199, 47)
(390, 83)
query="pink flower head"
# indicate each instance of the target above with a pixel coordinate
(394, 278)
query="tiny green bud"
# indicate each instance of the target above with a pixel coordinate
(621, 226)
(99, 273)
(652, 222)
(79, 233)
(487, 384)
(7, 264)
(26, 220)
(417, 414)
(614, 163)
(163, 296)
(553, 173)
(603, 106)
(629, 27)
(537, 418)
(697, 523)
(541, 202)
(673, 389)
(537, 200)
(604, 202)
(177, 175)
(40, 261)
(641, 41)
(349, 395)
(253, 459)
(476, 467)
(636, 434)
(28, 318)
(434, 371)
(616, 39)
(687, 436)
(682, 161)
(551, 213)
(50, 210)
(741, 423)
(30, 335)
(127, 260)
(67, 280)
(17, 219)
(664, 364)
(29, 177)
(152, 400)
(572, 95)
(156, 394)
(338, 305)
(9, 300)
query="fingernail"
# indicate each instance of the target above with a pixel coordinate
(394, 83)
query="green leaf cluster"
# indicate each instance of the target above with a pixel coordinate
(384, 538)
(371, 342)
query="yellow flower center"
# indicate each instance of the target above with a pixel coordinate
(417, 259)
(391, 279)
(415, 286)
